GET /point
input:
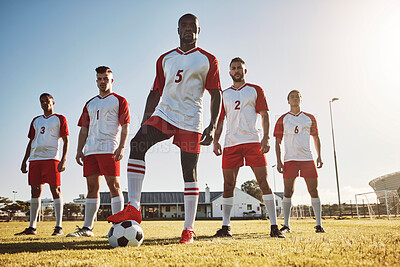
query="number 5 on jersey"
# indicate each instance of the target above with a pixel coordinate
(179, 76)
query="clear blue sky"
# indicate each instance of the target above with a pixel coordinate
(326, 49)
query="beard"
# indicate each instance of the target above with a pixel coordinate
(240, 79)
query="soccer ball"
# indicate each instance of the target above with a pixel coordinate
(127, 233)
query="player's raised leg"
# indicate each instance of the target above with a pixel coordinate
(191, 194)
(145, 138)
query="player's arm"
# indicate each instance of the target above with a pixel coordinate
(152, 101)
(279, 164)
(208, 132)
(265, 125)
(26, 157)
(217, 146)
(317, 144)
(83, 134)
(119, 152)
(61, 165)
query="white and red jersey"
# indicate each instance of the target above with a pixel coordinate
(240, 107)
(181, 78)
(45, 133)
(103, 116)
(295, 130)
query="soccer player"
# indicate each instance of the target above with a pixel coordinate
(240, 105)
(45, 164)
(295, 128)
(174, 108)
(102, 118)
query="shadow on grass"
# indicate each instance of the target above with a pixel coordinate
(39, 244)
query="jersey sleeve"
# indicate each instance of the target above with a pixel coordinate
(278, 131)
(31, 133)
(212, 79)
(314, 127)
(84, 120)
(159, 81)
(261, 102)
(123, 115)
(63, 126)
(222, 114)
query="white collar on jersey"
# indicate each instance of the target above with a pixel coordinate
(187, 52)
(102, 97)
(237, 89)
(46, 117)
(297, 114)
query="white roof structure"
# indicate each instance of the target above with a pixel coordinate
(386, 182)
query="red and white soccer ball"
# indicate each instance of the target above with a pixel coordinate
(127, 233)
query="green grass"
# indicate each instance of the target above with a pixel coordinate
(347, 243)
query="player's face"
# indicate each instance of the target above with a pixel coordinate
(294, 99)
(104, 81)
(188, 30)
(47, 103)
(237, 71)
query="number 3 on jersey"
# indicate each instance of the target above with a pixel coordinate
(179, 76)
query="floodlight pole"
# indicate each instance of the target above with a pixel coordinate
(273, 172)
(14, 192)
(334, 156)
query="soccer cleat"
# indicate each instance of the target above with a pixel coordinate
(275, 232)
(187, 237)
(285, 229)
(58, 231)
(127, 214)
(319, 229)
(84, 231)
(225, 231)
(27, 231)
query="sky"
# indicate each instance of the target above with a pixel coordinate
(325, 49)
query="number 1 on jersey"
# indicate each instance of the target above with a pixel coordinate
(97, 115)
(179, 76)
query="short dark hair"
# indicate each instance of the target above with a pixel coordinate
(103, 69)
(237, 59)
(293, 91)
(187, 15)
(46, 94)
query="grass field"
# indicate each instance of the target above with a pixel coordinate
(347, 243)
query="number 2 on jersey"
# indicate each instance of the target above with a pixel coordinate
(179, 76)
(237, 107)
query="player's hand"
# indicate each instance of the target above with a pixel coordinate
(217, 149)
(264, 145)
(207, 136)
(79, 158)
(319, 163)
(61, 166)
(118, 154)
(279, 167)
(23, 167)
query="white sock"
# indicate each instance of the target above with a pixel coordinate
(91, 207)
(136, 171)
(286, 205)
(316, 204)
(117, 204)
(34, 211)
(58, 208)
(269, 201)
(227, 204)
(191, 197)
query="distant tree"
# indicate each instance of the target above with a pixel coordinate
(251, 187)
(10, 207)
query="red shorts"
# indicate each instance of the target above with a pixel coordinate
(102, 164)
(234, 156)
(306, 169)
(44, 171)
(186, 140)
